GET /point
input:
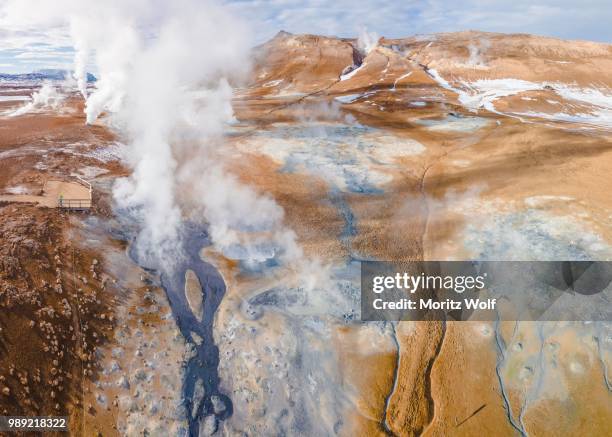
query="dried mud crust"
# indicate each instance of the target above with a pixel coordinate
(55, 310)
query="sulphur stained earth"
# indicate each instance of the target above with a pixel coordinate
(410, 151)
(413, 166)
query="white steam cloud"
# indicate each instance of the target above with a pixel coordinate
(477, 51)
(243, 224)
(47, 97)
(81, 55)
(164, 70)
(367, 41)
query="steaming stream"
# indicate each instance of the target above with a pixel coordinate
(205, 404)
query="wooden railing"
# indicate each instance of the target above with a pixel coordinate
(84, 182)
(74, 203)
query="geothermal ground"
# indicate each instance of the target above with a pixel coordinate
(437, 147)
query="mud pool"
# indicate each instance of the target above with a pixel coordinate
(349, 157)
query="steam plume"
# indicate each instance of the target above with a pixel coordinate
(164, 70)
(476, 51)
(367, 41)
(80, 57)
(47, 97)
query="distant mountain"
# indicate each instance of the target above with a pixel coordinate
(46, 74)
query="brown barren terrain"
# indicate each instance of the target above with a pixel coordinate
(468, 145)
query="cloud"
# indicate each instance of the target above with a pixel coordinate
(560, 18)
(44, 56)
(24, 48)
(391, 18)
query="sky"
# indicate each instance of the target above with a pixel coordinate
(25, 49)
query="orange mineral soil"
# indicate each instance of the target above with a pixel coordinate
(454, 146)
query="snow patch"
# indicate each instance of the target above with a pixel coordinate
(600, 118)
(347, 76)
(483, 93)
(14, 98)
(272, 83)
(18, 189)
(400, 78)
(349, 98)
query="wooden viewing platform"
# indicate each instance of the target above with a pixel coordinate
(70, 200)
(68, 195)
